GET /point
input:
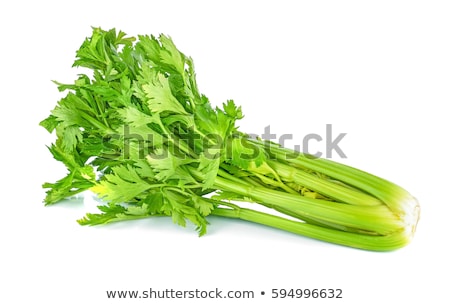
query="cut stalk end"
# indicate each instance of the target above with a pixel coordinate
(411, 216)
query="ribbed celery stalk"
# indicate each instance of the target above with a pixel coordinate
(386, 242)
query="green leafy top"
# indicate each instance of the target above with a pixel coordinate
(140, 122)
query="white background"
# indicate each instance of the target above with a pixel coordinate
(377, 70)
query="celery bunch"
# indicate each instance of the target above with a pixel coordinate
(138, 133)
